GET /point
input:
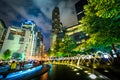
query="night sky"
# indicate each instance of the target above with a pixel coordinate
(14, 12)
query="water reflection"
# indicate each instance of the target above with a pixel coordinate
(45, 76)
(62, 72)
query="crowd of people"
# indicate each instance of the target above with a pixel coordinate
(19, 65)
(14, 65)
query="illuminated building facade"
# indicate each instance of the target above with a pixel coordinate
(75, 31)
(39, 46)
(13, 40)
(31, 26)
(24, 40)
(79, 6)
(76, 34)
(56, 24)
(57, 27)
(2, 33)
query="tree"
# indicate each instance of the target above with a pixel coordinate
(101, 22)
(67, 45)
(18, 56)
(7, 54)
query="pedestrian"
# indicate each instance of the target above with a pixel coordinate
(21, 65)
(13, 65)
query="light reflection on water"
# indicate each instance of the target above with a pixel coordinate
(45, 76)
(62, 72)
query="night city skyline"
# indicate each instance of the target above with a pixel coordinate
(59, 39)
(14, 12)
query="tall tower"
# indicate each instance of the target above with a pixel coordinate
(30, 26)
(56, 27)
(56, 24)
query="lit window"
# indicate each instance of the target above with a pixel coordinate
(21, 40)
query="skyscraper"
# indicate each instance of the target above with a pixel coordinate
(31, 26)
(57, 27)
(24, 40)
(39, 50)
(56, 24)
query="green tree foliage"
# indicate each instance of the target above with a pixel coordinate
(18, 56)
(7, 54)
(51, 53)
(67, 45)
(102, 23)
(63, 47)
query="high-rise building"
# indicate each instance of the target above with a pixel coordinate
(56, 24)
(14, 41)
(57, 27)
(79, 6)
(24, 40)
(76, 34)
(39, 50)
(2, 32)
(31, 26)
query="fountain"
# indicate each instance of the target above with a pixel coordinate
(95, 60)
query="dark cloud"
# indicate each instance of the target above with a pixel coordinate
(14, 12)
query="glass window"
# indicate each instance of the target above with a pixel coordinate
(11, 36)
(21, 39)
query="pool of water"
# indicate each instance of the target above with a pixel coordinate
(67, 72)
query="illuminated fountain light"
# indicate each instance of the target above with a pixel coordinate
(75, 70)
(106, 70)
(77, 73)
(86, 71)
(80, 60)
(72, 67)
(114, 55)
(80, 68)
(106, 56)
(101, 76)
(92, 76)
